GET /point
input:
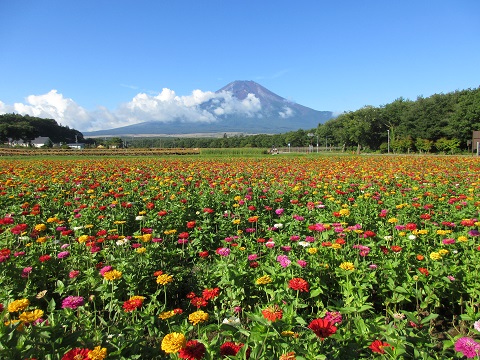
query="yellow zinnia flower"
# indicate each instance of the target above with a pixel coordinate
(40, 227)
(198, 317)
(164, 279)
(112, 275)
(166, 314)
(18, 305)
(141, 250)
(348, 266)
(146, 237)
(263, 280)
(41, 239)
(344, 212)
(82, 238)
(312, 250)
(30, 316)
(435, 256)
(98, 353)
(173, 342)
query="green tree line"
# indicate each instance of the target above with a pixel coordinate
(26, 128)
(441, 122)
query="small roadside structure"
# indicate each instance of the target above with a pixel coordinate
(476, 142)
(77, 146)
(38, 142)
(41, 141)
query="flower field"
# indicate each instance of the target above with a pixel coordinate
(352, 257)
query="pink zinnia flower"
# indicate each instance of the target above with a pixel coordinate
(476, 325)
(302, 263)
(448, 241)
(26, 271)
(72, 302)
(63, 254)
(468, 347)
(270, 244)
(283, 260)
(105, 269)
(73, 274)
(334, 317)
(223, 251)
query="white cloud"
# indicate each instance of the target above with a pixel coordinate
(287, 112)
(165, 106)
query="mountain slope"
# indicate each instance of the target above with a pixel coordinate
(241, 106)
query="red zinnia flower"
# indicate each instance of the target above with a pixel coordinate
(424, 271)
(467, 222)
(191, 295)
(203, 254)
(150, 206)
(322, 328)
(298, 284)
(44, 258)
(132, 304)
(76, 354)
(198, 302)
(384, 249)
(194, 350)
(191, 224)
(210, 293)
(411, 226)
(183, 235)
(378, 345)
(230, 348)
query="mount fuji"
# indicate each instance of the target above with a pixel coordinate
(243, 107)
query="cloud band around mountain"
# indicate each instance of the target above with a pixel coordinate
(165, 107)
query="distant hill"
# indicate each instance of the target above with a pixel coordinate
(270, 114)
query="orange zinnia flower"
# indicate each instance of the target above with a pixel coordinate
(272, 313)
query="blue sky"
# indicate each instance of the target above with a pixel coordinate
(102, 64)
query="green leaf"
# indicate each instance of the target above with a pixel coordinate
(428, 318)
(316, 292)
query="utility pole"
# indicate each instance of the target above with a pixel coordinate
(388, 141)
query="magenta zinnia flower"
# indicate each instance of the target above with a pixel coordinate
(283, 260)
(72, 302)
(468, 347)
(223, 251)
(105, 269)
(63, 254)
(26, 271)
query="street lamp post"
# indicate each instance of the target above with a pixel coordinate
(388, 141)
